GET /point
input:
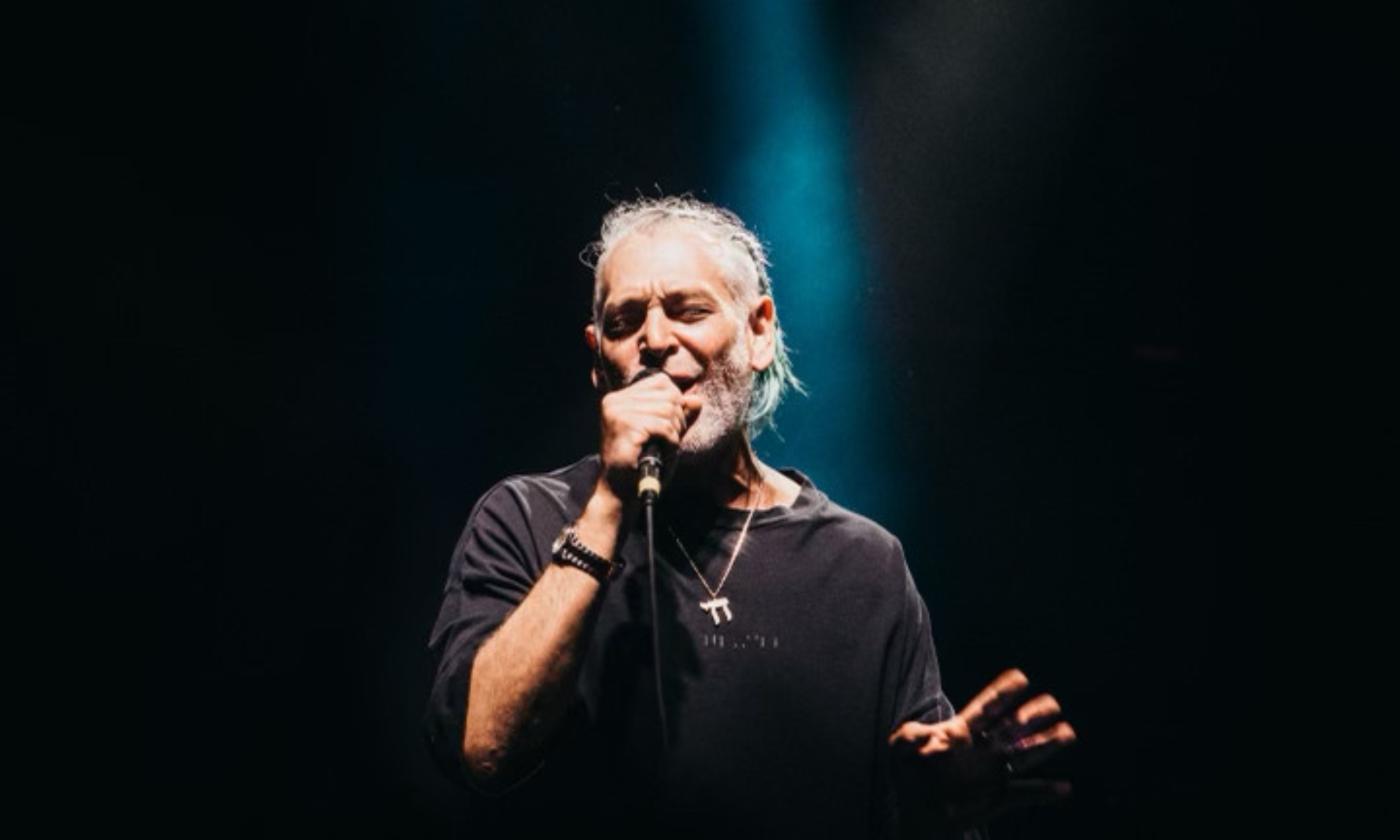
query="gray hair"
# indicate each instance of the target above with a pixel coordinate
(746, 273)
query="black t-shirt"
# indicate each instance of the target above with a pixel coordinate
(778, 718)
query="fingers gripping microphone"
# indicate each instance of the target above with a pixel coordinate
(649, 465)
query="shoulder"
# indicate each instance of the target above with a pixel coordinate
(525, 494)
(511, 526)
(853, 554)
(850, 526)
(850, 535)
(520, 513)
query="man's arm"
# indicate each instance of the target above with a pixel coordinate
(523, 677)
(522, 680)
(954, 771)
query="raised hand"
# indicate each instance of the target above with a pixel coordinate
(966, 770)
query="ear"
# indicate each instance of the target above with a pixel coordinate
(590, 337)
(763, 323)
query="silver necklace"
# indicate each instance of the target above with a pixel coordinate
(718, 607)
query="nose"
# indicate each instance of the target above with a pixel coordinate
(658, 341)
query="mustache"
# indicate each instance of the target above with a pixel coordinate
(644, 373)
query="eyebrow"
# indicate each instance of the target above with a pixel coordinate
(679, 294)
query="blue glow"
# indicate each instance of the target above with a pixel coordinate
(781, 154)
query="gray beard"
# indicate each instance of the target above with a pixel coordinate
(726, 390)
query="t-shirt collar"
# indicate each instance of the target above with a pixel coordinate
(809, 498)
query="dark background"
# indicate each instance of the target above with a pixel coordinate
(299, 283)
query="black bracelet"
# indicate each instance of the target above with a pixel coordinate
(569, 550)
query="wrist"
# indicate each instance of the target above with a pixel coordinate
(570, 550)
(600, 525)
(605, 501)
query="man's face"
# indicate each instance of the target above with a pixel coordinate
(667, 305)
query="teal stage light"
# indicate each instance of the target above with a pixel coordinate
(781, 153)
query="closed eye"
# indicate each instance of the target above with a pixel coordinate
(627, 317)
(689, 308)
(624, 320)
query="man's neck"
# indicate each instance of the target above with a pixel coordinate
(731, 476)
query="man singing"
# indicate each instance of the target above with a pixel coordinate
(789, 681)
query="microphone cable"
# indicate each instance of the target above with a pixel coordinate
(649, 489)
(649, 502)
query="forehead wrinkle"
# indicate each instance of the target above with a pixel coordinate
(663, 290)
(713, 269)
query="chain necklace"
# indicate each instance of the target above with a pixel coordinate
(718, 607)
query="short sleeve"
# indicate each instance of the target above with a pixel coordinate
(919, 696)
(493, 567)
(919, 690)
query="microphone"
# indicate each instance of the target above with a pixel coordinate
(648, 488)
(649, 465)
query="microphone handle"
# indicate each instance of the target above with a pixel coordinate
(649, 465)
(649, 469)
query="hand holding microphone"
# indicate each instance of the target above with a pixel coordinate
(641, 423)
